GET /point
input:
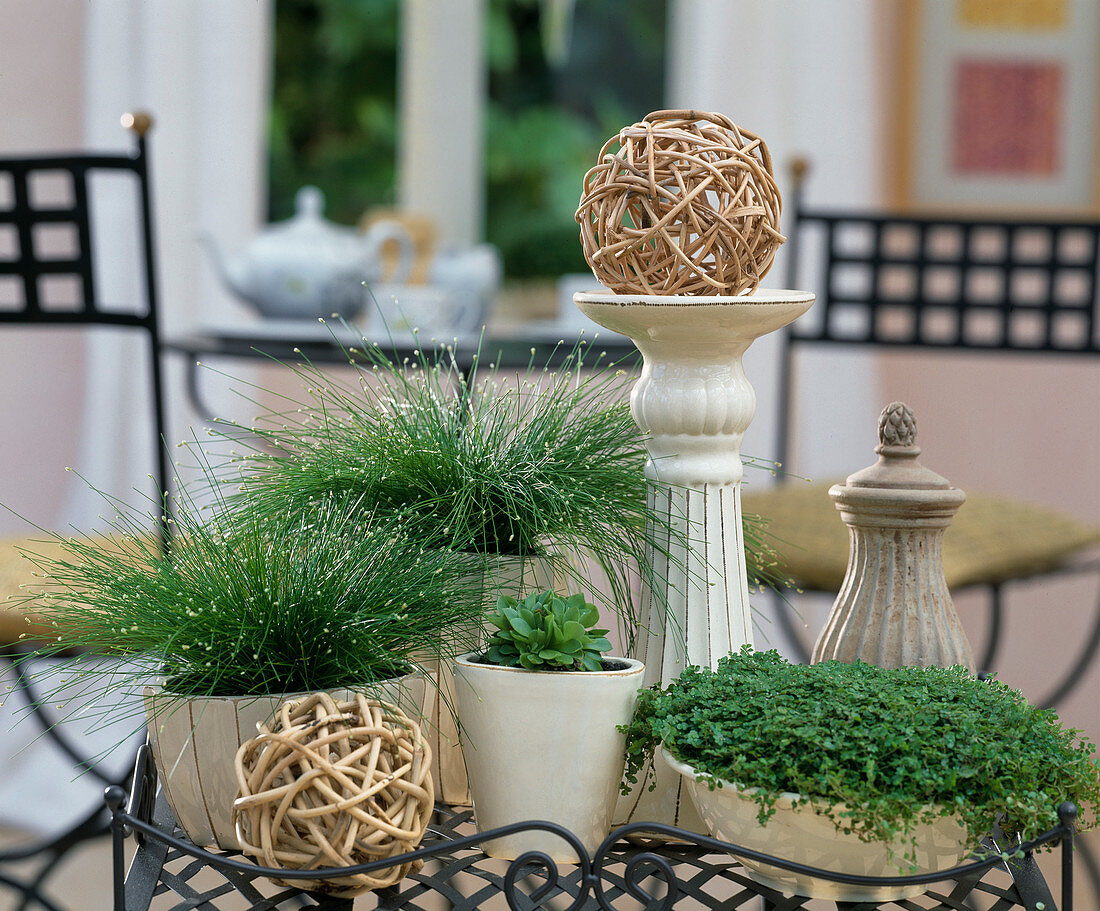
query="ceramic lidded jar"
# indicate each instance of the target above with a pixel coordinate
(894, 608)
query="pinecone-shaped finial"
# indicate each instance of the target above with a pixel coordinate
(897, 426)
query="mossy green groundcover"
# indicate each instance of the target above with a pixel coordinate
(878, 751)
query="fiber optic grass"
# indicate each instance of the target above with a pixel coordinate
(253, 603)
(545, 463)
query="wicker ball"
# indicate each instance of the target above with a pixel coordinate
(686, 205)
(333, 784)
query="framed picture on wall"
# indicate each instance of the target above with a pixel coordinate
(997, 104)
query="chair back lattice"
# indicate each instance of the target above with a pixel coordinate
(942, 282)
(47, 268)
(48, 279)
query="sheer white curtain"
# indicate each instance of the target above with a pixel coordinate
(443, 83)
(804, 76)
(202, 69)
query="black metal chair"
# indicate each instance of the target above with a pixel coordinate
(941, 283)
(34, 273)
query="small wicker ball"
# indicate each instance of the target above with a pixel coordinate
(333, 784)
(687, 204)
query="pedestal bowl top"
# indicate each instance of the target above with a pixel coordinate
(747, 315)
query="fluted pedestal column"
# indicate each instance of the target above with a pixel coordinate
(694, 403)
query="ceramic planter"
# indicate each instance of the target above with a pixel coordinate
(514, 576)
(807, 837)
(544, 745)
(194, 741)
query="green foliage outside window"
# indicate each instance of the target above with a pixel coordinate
(333, 111)
(557, 89)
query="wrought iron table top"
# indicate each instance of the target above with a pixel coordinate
(628, 873)
(506, 349)
(509, 347)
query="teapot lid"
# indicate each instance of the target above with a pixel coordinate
(308, 224)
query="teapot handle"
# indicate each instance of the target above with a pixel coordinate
(382, 231)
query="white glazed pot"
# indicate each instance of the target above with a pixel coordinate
(544, 745)
(807, 837)
(504, 575)
(195, 739)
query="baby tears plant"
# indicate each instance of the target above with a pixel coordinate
(877, 751)
(547, 632)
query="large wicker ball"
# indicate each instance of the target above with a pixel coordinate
(687, 204)
(333, 784)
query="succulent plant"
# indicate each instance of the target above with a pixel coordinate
(547, 632)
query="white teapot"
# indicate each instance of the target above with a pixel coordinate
(307, 267)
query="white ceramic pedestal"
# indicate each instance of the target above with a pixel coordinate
(694, 403)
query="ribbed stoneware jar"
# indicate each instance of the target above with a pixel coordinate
(894, 608)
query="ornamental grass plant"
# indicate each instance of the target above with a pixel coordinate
(877, 751)
(247, 602)
(545, 463)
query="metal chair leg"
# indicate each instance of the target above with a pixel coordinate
(52, 850)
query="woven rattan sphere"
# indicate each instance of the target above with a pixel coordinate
(687, 204)
(333, 784)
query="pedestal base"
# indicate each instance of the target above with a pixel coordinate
(699, 600)
(698, 612)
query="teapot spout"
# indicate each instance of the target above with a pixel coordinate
(231, 271)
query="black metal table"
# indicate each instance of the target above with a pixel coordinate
(507, 349)
(168, 872)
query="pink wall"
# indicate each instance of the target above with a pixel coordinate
(1025, 426)
(1021, 425)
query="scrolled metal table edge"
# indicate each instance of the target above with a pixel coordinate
(127, 812)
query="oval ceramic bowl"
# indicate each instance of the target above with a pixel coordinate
(195, 740)
(802, 835)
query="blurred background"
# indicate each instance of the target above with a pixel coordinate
(475, 121)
